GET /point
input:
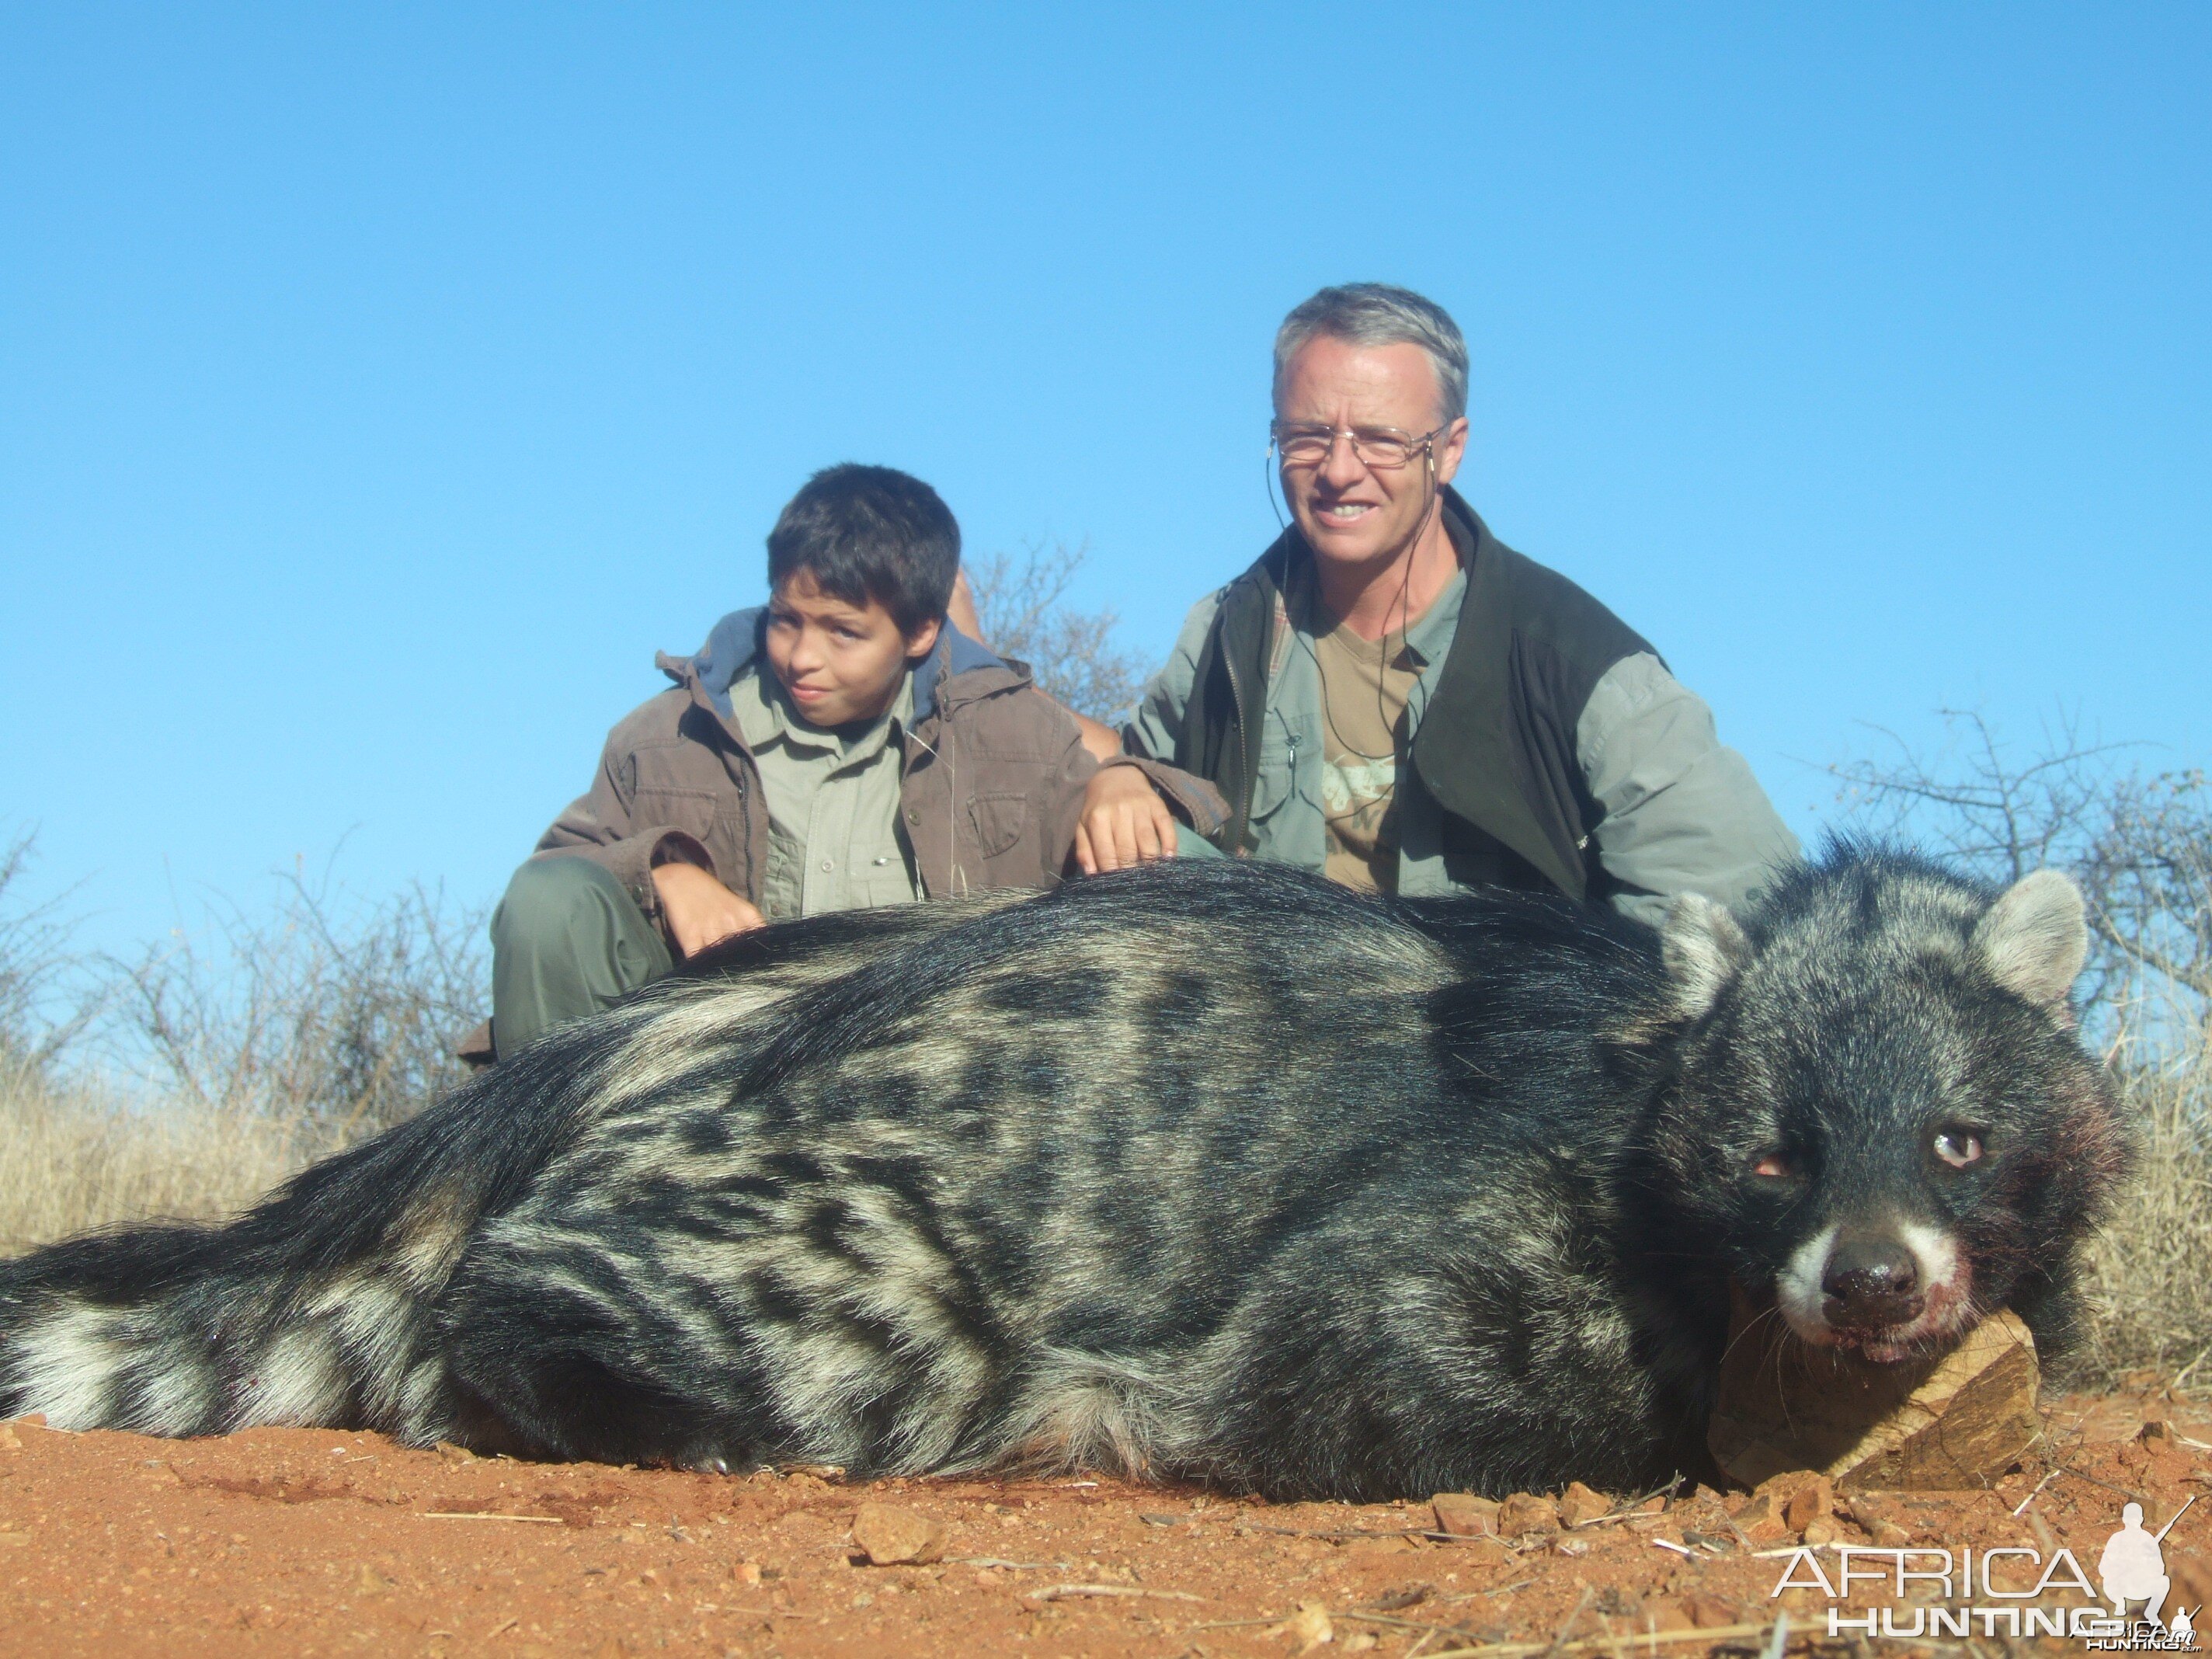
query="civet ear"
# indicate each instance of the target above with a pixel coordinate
(2035, 938)
(1703, 950)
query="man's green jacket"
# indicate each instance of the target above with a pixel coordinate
(1550, 746)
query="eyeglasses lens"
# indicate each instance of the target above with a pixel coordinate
(1379, 447)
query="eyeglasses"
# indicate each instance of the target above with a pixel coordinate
(1379, 448)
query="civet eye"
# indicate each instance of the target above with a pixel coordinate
(1773, 1165)
(1958, 1147)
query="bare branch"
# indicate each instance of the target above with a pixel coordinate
(1070, 652)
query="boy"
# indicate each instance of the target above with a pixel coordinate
(841, 748)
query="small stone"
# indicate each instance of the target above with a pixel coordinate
(1580, 1505)
(1525, 1512)
(1875, 1520)
(1708, 1612)
(1310, 1626)
(2160, 1435)
(1823, 1529)
(1361, 1642)
(746, 1572)
(892, 1536)
(454, 1454)
(1815, 1500)
(1761, 1517)
(371, 1582)
(1663, 1613)
(10, 1440)
(1653, 1505)
(1465, 1515)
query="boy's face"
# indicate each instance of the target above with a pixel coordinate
(839, 662)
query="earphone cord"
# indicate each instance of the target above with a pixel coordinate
(1403, 606)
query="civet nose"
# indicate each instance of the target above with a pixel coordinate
(1870, 1282)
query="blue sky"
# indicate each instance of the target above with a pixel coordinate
(381, 387)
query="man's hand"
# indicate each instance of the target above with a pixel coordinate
(1124, 822)
(960, 608)
(701, 911)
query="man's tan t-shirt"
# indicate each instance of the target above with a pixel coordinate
(1364, 685)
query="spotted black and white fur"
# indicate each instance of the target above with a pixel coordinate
(1208, 1170)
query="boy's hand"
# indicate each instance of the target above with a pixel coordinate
(701, 911)
(1124, 822)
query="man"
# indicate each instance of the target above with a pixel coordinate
(1392, 696)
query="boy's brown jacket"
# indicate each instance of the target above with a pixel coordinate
(992, 785)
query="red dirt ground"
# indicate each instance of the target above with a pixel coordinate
(308, 1542)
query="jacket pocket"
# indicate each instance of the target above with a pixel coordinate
(997, 818)
(691, 811)
(1277, 778)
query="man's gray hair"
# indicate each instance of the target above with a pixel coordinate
(1377, 313)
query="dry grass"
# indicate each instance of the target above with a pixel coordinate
(188, 1081)
(80, 1154)
(2150, 1282)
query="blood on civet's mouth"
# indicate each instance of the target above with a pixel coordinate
(1937, 1305)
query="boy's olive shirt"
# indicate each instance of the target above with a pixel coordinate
(833, 803)
(992, 777)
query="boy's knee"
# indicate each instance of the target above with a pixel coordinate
(549, 900)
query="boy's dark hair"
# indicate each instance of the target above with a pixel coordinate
(870, 533)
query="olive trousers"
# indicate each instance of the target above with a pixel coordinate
(566, 940)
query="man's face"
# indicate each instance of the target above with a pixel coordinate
(839, 662)
(1353, 515)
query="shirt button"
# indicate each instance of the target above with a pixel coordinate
(828, 864)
